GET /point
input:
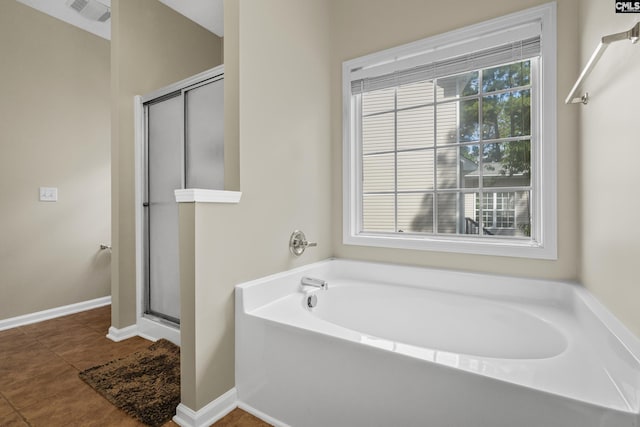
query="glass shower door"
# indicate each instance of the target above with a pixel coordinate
(204, 135)
(164, 175)
(184, 140)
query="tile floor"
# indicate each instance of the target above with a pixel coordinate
(39, 365)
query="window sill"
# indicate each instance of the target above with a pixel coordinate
(497, 247)
(197, 195)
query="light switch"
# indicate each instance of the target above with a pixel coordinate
(48, 194)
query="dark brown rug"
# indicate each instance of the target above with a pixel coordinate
(145, 384)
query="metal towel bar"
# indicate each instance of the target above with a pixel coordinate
(633, 34)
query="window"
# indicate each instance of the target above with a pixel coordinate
(499, 212)
(450, 141)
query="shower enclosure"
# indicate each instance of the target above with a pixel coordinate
(183, 148)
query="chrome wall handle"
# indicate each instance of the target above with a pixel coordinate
(298, 243)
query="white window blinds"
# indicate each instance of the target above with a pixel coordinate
(502, 54)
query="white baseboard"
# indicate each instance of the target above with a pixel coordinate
(118, 335)
(154, 330)
(52, 313)
(264, 417)
(147, 329)
(187, 417)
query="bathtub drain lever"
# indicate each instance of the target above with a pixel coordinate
(312, 301)
(316, 283)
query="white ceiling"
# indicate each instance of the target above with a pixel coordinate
(58, 9)
(207, 13)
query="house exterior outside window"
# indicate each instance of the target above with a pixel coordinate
(503, 213)
(448, 142)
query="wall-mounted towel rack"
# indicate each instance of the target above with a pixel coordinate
(633, 34)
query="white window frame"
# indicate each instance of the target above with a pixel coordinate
(543, 244)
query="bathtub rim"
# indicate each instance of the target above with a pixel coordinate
(573, 295)
(540, 290)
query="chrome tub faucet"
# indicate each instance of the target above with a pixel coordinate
(316, 283)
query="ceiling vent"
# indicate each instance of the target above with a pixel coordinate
(92, 10)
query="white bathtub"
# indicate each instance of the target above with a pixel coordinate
(400, 346)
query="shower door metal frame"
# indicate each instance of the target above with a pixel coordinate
(178, 89)
(147, 310)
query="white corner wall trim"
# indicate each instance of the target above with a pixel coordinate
(187, 417)
(190, 195)
(52, 313)
(264, 417)
(118, 335)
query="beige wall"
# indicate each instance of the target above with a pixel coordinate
(365, 26)
(151, 46)
(231, 95)
(609, 163)
(54, 131)
(284, 152)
